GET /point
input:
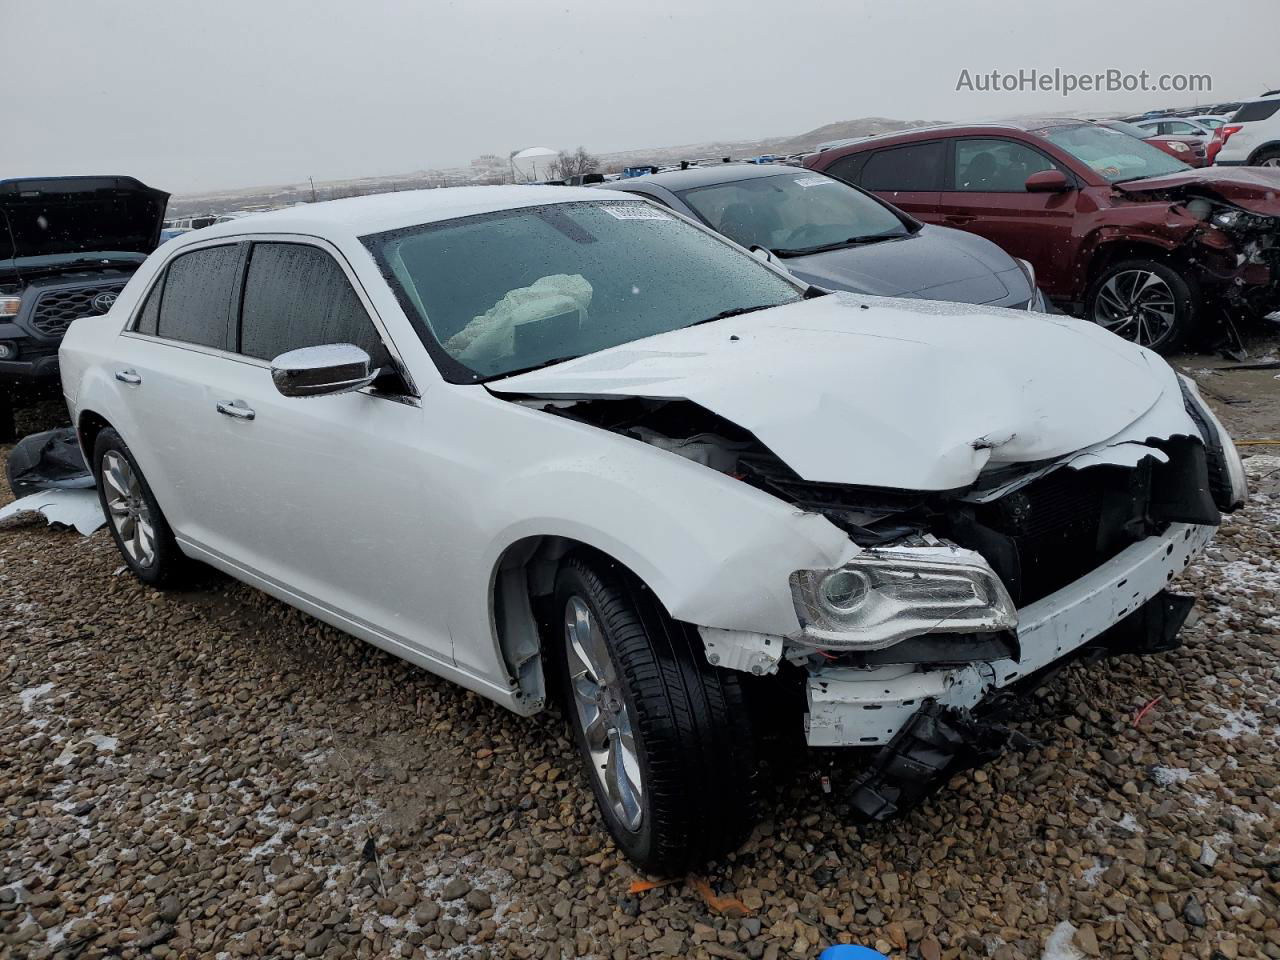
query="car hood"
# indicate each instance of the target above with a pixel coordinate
(934, 264)
(1254, 188)
(878, 392)
(60, 215)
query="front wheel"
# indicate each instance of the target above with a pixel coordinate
(1144, 301)
(665, 736)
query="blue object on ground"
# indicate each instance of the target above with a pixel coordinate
(846, 952)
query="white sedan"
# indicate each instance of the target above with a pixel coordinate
(544, 441)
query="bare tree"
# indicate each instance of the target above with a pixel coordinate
(574, 164)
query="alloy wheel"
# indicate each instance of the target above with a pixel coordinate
(602, 714)
(128, 510)
(1138, 305)
(1270, 162)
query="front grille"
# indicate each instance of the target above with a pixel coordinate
(54, 311)
(1053, 530)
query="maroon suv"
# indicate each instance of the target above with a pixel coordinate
(1118, 231)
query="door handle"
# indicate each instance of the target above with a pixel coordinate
(128, 376)
(958, 218)
(235, 408)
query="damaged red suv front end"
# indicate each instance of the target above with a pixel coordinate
(1117, 231)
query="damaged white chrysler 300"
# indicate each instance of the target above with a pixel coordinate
(539, 440)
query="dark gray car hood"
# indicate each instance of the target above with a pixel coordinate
(935, 263)
(47, 216)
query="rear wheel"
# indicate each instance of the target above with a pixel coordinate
(1144, 301)
(666, 737)
(1267, 158)
(137, 525)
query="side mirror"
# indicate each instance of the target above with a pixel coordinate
(1048, 181)
(321, 371)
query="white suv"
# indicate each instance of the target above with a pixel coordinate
(1252, 137)
(540, 440)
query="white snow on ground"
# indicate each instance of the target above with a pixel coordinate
(1129, 822)
(1167, 776)
(1093, 874)
(1061, 945)
(29, 696)
(1238, 723)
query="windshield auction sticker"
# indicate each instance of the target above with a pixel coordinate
(813, 181)
(634, 211)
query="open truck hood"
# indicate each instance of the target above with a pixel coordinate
(43, 216)
(1256, 189)
(902, 394)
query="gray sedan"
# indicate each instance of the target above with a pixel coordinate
(835, 236)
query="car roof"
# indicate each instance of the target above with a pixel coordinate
(390, 211)
(976, 128)
(705, 176)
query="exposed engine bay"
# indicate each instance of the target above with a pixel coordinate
(1039, 525)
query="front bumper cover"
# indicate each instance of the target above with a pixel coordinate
(851, 706)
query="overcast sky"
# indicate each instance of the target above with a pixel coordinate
(197, 94)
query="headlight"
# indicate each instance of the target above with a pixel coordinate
(885, 596)
(1036, 302)
(9, 306)
(1231, 489)
(1179, 147)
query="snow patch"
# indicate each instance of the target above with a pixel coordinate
(1061, 944)
(29, 696)
(1167, 776)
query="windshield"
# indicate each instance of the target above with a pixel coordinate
(793, 212)
(503, 292)
(1111, 154)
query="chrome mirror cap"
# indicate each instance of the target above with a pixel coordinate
(322, 371)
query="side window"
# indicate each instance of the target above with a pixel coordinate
(917, 166)
(1258, 110)
(1180, 128)
(195, 306)
(149, 316)
(997, 166)
(296, 295)
(849, 168)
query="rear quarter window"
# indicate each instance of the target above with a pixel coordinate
(1260, 110)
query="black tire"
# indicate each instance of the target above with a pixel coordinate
(694, 742)
(168, 566)
(1120, 287)
(1269, 157)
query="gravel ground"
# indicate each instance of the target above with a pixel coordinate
(212, 774)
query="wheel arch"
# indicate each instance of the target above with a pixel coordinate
(1109, 252)
(1271, 146)
(520, 588)
(88, 425)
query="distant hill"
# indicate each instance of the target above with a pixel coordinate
(265, 197)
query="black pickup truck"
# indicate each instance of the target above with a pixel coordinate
(68, 245)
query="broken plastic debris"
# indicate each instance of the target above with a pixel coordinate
(72, 508)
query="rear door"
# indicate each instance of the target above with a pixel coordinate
(182, 339)
(908, 176)
(985, 193)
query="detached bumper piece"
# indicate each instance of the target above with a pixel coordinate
(935, 744)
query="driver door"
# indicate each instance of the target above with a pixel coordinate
(330, 504)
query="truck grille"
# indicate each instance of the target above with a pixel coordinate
(54, 311)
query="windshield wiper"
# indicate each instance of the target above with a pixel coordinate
(533, 366)
(838, 245)
(735, 312)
